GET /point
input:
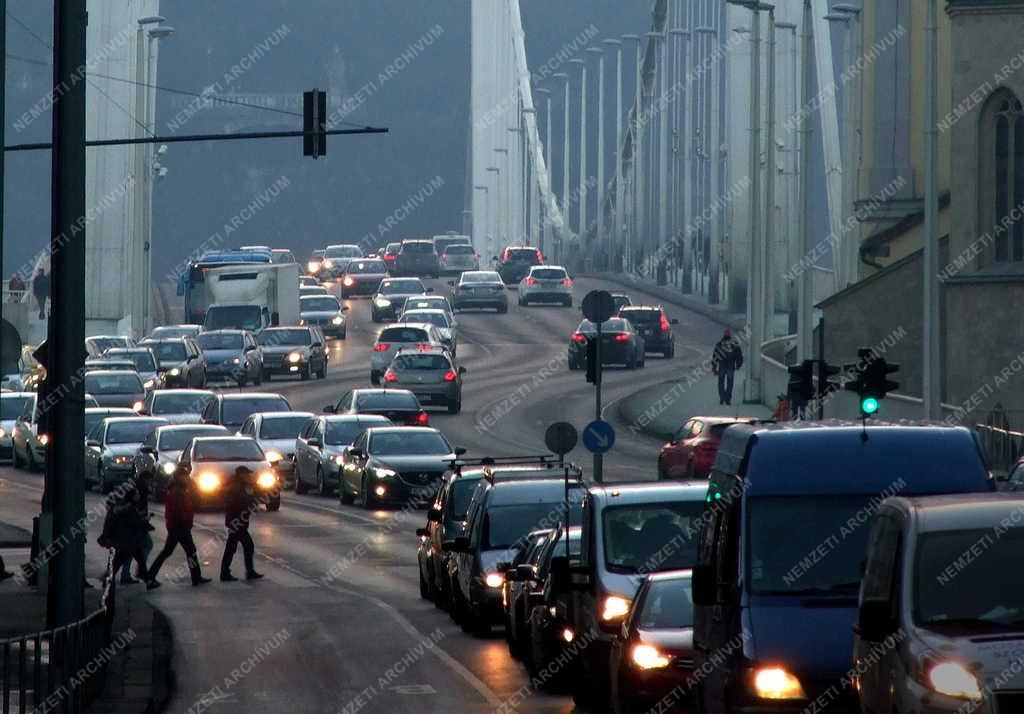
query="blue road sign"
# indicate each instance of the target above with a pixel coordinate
(598, 436)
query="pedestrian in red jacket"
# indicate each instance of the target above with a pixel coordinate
(179, 511)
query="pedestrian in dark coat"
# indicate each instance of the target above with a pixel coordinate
(179, 512)
(41, 289)
(125, 531)
(140, 484)
(725, 360)
(239, 503)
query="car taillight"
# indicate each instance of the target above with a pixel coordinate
(423, 347)
(622, 338)
(390, 376)
(531, 281)
(665, 327)
(381, 347)
(578, 338)
(567, 282)
(450, 376)
(422, 418)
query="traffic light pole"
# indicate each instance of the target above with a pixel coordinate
(598, 458)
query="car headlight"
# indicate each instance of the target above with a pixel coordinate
(648, 657)
(385, 473)
(236, 360)
(339, 460)
(328, 263)
(615, 608)
(494, 580)
(168, 468)
(174, 371)
(383, 302)
(267, 479)
(148, 384)
(337, 320)
(777, 683)
(208, 482)
(44, 439)
(954, 680)
(294, 357)
(274, 456)
(122, 459)
(137, 406)
(312, 266)
(302, 321)
(3, 432)
(348, 281)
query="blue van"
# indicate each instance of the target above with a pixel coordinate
(782, 549)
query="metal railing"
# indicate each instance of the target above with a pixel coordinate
(1002, 438)
(59, 670)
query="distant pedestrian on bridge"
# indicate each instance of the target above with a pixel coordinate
(240, 502)
(41, 290)
(726, 359)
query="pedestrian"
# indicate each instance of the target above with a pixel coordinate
(239, 503)
(124, 530)
(41, 289)
(179, 512)
(725, 360)
(140, 484)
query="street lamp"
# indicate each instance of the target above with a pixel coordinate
(599, 239)
(517, 180)
(565, 151)
(709, 171)
(617, 216)
(546, 93)
(794, 240)
(851, 109)
(582, 198)
(486, 221)
(498, 212)
(656, 173)
(149, 119)
(633, 232)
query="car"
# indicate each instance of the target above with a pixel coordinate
(324, 312)
(430, 374)
(170, 332)
(308, 280)
(276, 433)
(145, 362)
(362, 277)
(211, 462)
(177, 406)
(654, 326)
(621, 300)
(231, 410)
(180, 362)
(120, 365)
(390, 254)
(337, 257)
(157, 456)
(293, 351)
(28, 440)
(791, 489)
(500, 516)
(691, 451)
(397, 336)
(395, 464)
(428, 302)
(110, 448)
(417, 257)
(479, 289)
(620, 344)
(629, 530)
(652, 657)
(315, 264)
(546, 283)
(98, 344)
(307, 290)
(318, 449)
(232, 355)
(391, 295)
(444, 242)
(12, 404)
(515, 262)
(112, 388)
(458, 258)
(939, 613)
(399, 405)
(518, 586)
(447, 326)
(281, 256)
(94, 415)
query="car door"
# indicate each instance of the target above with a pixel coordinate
(317, 358)
(301, 449)
(880, 676)
(147, 457)
(344, 405)
(352, 470)
(1015, 479)
(93, 452)
(312, 450)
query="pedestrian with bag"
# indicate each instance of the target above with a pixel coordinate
(179, 513)
(725, 360)
(125, 530)
(140, 483)
(240, 502)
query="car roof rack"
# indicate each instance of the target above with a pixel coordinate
(549, 460)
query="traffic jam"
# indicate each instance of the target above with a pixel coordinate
(762, 566)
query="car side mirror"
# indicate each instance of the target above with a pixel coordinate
(315, 443)
(523, 572)
(460, 544)
(344, 308)
(434, 514)
(460, 450)
(329, 409)
(495, 258)
(430, 290)
(249, 348)
(356, 453)
(92, 443)
(462, 370)
(275, 319)
(874, 620)
(422, 532)
(147, 450)
(452, 283)
(703, 585)
(1001, 477)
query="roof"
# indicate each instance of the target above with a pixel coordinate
(228, 330)
(224, 437)
(670, 575)
(348, 418)
(249, 395)
(635, 308)
(402, 429)
(113, 411)
(379, 390)
(963, 511)
(503, 493)
(212, 428)
(135, 419)
(648, 492)
(282, 415)
(110, 372)
(196, 392)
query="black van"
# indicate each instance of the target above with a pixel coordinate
(782, 548)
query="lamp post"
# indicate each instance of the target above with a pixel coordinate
(634, 230)
(708, 166)
(617, 216)
(499, 213)
(851, 109)
(545, 222)
(485, 222)
(932, 358)
(529, 179)
(658, 168)
(793, 237)
(565, 152)
(156, 34)
(582, 198)
(599, 236)
(517, 182)
(843, 267)
(136, 254)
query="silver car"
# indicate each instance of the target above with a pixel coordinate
(167, 332)
(325, 312)
(28, 445)
(146, 364)
(458, 258)
(98, 344)
(546, 283)
(389, 300)
(446, 325)
(428, 302)
(479, 289)
(177, 406)
(110, 449)
(276, 433)
(212, 461)
(318, 449)
(158, 456)
(11, 406)
(396, 337)
(430, 374)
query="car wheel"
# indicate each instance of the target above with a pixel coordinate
(344, 496)
(300, 485)
(341, 335)
(502, 309)
(631, 362)
(258, 379)
(322, 489)
(103, 485)
(15, 461)
(424, 587)
(30, 460)
(369, 501)
(322, 374)
(188, 381)
(670, 352)
(522, 302)
(374, 316)
(455, 407)
(568, 302)
(306, 373)
(374, 377)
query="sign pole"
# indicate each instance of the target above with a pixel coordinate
(598, 458)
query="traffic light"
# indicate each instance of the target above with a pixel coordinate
(801, 385)
(314, 123)
(592, 366)
(825, 384)
(870, 380)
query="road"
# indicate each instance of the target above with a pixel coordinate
(337, 625)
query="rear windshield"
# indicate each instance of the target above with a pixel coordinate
(480, 278)
(105, 343)
(435, 303)
(343, 433)
(165, 332)
(668, 605)
(132, 431)
(94, 418)
(635, 536)
(179, 403)
(505, 526)
(177, 439)
(393, 248)
(434, 318)
(122, 383)
(283, 427)
(228, 450)
(641, 316)
(522, 255)
(459, 249)
(420, 361)
(548, 273)
(236, 410)
(143, 361)
(394, 287)
(271, 338)
(222, 341)
(386, 401)
(418, 247)
(169, 351)
(320, 304)
(459, 497)
(11, 407)
(402, 334)
(371, 267)
(613, 325)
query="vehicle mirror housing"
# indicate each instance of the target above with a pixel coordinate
(523, 572)
(674, 321)
(459, 450)
(329, 409)
(344, 308)
(434, 514)
(462, 370)
(430, 290)
(422, 532)
(92, 443)
(147, 450)
(452, 283)
(356, 453)
(1001, 477)
(703, 585)
(874, 620)
(315, 442)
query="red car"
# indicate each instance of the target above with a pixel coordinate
(692, 450)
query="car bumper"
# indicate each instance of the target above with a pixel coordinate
(226, 371)
(285, 367)
(547, 295)
(448, 392)
(654, 342)
(672, 686)
(397, 491)
(458, 267)
(487, 603)
(360, 288)
(480, 301)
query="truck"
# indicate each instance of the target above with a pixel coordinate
(192, 281)
(250, 297)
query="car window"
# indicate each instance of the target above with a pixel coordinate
(132, 431)
(227, 450)
(369, 401)
(401, 286)
(640, 316)
(11, 407)
(635, 536)
(143, 360)
(220, 341)
(459, 249)
(169, 351)
(235, 411)
(370, 267)
(177, 439)
(418, 247)
(548, 273)
(403, 334)
(488, 277)
(438, 319)
(178, 403)
(273, 337)
(414, 361)
(667, 605)
(283, 427)
(120, 383)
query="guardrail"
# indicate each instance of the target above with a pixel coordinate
(59, 670)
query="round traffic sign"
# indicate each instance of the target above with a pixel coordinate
(598, 436)
(598, 305)
(560, 437)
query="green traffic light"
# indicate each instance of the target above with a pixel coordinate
(869, 405)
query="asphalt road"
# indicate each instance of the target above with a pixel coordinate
(337, 625)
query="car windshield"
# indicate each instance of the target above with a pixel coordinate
(371, 267)
(434, 318)
(143, 361)
(641, 317)
(121, 383)
(343, 433)
(11, 407)
(105, 343)
(305, 290)
(548, 273)
(651, 537)
(994, 595)
(522, 255)
(505, 526)
(621, 301)
(131, 431)
(459, 249)
(283, 427)
(94, 418)
(459, 496)
(344, 251)
(438, 303)
(403, 334)
(177, 439)
(236, 410)
(613, 325)
(668, 605)
(220, 341)
(392, 248)
(179, 403)
(228, 450)
(394, 443)
(169, 351)
(414, 361)
(320, 304)
(243, 317)
(418, 247)
(398, 287)
(785, 533)
(480, 278)
(162, 333)
(275, 337)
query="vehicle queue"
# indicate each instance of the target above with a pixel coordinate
(699, 590)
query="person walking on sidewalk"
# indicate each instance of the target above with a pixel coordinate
(240, 502)
(125, 530)
(179, 512)
(726, 359)
(140, 484)
(41, 289)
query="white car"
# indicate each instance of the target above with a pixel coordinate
(276, 433)
(458, 257)
(399, 336)
(546, 283)
(325, 312)
(177, 406)
(447, 326)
